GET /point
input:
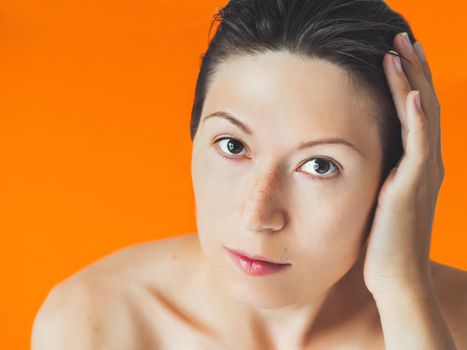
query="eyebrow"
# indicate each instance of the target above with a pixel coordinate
(328, 140)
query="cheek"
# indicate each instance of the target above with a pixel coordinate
(213, 187)
(328, 238)
(215, 182)
(333, 225)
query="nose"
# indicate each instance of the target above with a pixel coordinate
(263, 210)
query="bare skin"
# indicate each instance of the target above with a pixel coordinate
(264, 199)
(156, 295)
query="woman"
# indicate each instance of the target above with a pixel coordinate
(316, 166)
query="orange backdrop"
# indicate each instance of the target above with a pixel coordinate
(95, 103)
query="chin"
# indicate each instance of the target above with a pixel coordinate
(264, 292)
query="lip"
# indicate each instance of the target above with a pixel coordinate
(254, 265)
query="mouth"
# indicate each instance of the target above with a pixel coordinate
(257, 258)
(255, 265)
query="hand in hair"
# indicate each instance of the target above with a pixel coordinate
(396, 267)
(397, 248)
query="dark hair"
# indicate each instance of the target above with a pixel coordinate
(354, 34)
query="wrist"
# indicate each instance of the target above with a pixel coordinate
(415, 278)
(420, 287)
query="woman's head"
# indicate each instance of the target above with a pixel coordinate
(292, 72)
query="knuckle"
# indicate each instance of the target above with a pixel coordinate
(416, 65)
(422, 121)
(442, 173)
(441, 181)
(424, 158)
(420, 160)
(424, 154)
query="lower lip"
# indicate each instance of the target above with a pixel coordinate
(255, 267)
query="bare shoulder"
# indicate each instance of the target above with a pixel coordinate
(98, 306)
(78, 314)
(450, 284)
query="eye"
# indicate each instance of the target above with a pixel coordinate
(321, 166)
(229, 145)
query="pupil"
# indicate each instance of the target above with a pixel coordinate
(231, 145)
(320, 162)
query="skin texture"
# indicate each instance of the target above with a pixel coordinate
(397, 265)
(398, 247)
(266, 201)
(342, 290)
(158, 295)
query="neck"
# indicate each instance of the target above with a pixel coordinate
(299, 324)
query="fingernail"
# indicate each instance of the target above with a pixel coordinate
(407, 43)
(419, 49)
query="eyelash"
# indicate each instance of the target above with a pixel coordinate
(319, 178)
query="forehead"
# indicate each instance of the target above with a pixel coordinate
(279, 92)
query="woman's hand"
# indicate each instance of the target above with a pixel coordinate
(398, 246)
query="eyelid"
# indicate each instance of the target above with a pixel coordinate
(337, 165)
(221, 138)
(323, 177)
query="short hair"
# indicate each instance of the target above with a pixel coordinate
(354, 34)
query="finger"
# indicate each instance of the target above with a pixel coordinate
(414, 70)
(421, 56)
(417, 153)
(426, 68)
(399, 87)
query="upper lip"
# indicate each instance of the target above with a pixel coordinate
(254, 257)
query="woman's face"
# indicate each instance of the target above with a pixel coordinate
(306, 206)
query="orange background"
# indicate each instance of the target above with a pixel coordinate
(95, 103)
